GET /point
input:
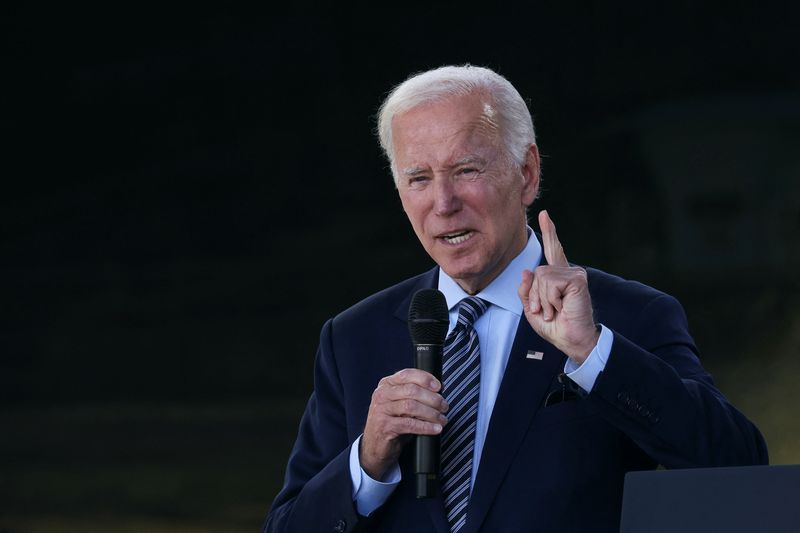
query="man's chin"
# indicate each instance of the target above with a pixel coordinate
(458, 273)
(468, 279)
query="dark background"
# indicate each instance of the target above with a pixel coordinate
(187, 196)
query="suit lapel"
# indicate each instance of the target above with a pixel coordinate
(428, 280)
(525, 383)
(435, 505)
(524, 386)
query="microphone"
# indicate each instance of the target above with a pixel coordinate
(427, 324)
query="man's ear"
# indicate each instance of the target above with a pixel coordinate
(531, 172)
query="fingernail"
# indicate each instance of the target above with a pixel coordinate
(434, 384)
(443, 419)
(437, 428)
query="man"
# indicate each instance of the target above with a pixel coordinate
(557, 381)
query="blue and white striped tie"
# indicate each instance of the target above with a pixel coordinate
(461, 373)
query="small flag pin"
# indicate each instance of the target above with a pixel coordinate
(535, 355)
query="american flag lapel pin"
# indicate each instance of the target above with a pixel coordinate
(535, 355)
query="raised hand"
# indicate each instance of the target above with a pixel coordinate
(556, 301)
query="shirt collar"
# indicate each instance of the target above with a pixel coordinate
(502, 291)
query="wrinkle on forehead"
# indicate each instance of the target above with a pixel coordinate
(489, 115)
(487, 124)
(481, 131)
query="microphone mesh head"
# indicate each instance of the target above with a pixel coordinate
(427, 317)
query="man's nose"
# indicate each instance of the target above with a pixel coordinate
(445, 197)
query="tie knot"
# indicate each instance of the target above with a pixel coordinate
(470, 309)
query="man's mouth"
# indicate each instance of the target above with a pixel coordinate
(458, 237)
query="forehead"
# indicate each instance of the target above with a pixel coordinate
(444, 130)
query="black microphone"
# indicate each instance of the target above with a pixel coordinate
(427, 323)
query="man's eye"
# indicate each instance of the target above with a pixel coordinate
(467, 171)
(417, 180)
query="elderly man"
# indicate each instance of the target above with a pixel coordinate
(557, 379)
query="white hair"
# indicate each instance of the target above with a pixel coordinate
(513, 116)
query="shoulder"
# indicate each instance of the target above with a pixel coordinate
(614, 295)
(602, 285)
(390, 302)
(370, 340)
(631, 306)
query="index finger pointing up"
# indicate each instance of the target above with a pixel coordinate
(553, 251)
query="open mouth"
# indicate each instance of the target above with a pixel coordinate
(458, 237)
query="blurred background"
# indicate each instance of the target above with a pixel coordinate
(188, 194)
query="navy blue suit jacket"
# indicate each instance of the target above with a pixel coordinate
(549, 468)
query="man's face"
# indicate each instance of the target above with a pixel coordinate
(463, 194)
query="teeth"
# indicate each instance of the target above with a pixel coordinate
(458, 238)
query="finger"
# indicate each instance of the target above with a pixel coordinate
(408, 408)
(414, 426)
(542, 288)
(554, 296)
(413, 375)
(535, 301)
(524, 289)
(412, 391)
(553, 251)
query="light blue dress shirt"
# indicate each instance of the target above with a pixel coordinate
(496, 330)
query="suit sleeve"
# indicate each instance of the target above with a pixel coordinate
(317, 490)
(654, 389)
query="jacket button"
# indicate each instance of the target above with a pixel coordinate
(629, 403)
(340, 526)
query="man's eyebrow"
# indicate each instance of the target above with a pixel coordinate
(410, 171)
(466, 160)
(413, 171)
(469, 160)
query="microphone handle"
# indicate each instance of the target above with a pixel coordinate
(427, 357)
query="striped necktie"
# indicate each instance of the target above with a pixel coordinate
(461, 374)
